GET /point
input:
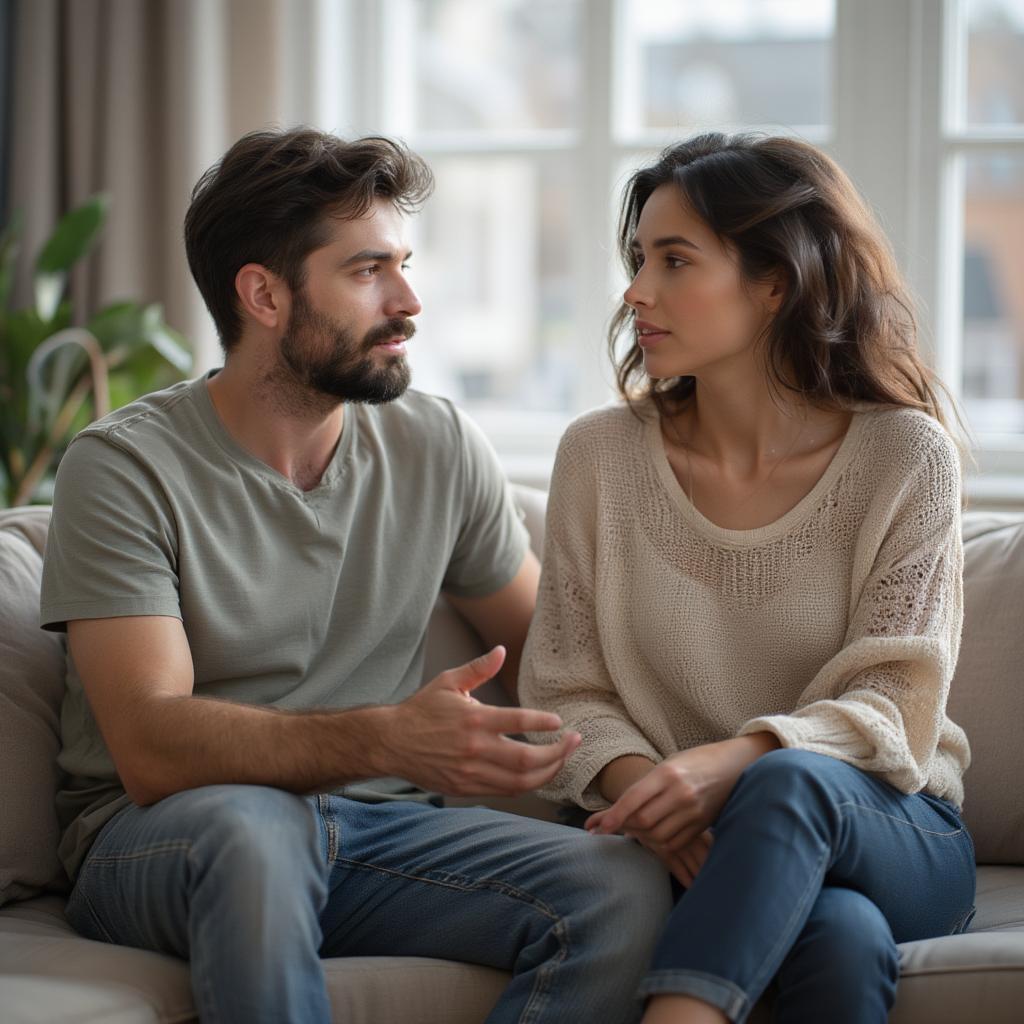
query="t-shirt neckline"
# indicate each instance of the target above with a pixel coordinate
(244, 458)
(761, 534)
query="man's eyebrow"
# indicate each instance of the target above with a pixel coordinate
(664, 243)
(375, 256)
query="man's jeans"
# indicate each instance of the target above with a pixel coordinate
(816, 872)
(253, 885)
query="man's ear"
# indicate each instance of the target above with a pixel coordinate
(263, 296)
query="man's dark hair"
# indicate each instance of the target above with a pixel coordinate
(268, 201)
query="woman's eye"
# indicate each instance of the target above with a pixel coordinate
(674, 262)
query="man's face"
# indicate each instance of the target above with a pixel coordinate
(350, 320)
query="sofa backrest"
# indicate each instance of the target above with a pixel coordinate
(987, 696)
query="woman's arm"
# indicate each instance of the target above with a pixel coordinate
(880, 703)
(563, 668)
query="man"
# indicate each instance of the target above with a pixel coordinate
(245, 565)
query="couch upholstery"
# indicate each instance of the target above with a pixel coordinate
(47, 973)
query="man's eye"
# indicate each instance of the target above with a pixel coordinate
(369, 271)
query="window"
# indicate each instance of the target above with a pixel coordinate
(532, 113)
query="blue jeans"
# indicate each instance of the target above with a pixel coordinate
(253, 885)
(816, 872)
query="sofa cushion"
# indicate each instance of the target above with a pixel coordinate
(987, 694)
(31, 689)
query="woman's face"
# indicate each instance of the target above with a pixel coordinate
(693, 309)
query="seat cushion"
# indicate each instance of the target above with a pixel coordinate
(31, 690)
(987, 694)
(974, 977)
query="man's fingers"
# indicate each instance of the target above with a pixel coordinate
(517, 756)
(516, 720)
(474, 673)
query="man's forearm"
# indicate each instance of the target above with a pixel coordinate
(186, 741)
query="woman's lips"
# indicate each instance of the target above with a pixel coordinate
(649, 337)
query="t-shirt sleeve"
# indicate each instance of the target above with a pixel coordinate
(879, 704)
(492, 540)
(111, 549)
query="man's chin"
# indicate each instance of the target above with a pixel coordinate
(378, 388)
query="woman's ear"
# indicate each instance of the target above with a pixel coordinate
(775, 291)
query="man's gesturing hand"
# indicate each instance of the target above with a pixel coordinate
(444, 739)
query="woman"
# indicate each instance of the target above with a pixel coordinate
(751, 595)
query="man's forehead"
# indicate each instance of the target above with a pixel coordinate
(382, 227)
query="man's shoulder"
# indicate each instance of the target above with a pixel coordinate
(153, 421)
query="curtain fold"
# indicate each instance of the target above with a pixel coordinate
(137, 98)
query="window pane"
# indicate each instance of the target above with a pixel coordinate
(492, 267)
(732, 62)
(499, 66)
(995, 56)
(993, 354)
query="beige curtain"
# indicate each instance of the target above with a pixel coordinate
(137, 98)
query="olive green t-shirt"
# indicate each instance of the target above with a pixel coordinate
(288, 598)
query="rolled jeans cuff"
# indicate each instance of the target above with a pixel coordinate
(718, 992)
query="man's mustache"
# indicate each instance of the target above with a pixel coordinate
(398, 327)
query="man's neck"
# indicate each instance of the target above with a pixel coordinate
(293, 434)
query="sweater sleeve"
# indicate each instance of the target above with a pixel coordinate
(879, 703)
(563, 668)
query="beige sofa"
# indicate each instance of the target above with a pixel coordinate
(49, 974)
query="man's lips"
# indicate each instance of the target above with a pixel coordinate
(396, 344)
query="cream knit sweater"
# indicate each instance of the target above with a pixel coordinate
(836, 627)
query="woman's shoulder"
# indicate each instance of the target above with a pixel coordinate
(907, 459)
(903, 440)
(609, 426)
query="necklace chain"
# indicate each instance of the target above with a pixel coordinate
(689, 463)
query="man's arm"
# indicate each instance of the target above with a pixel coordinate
(504, 618)
(138, 677)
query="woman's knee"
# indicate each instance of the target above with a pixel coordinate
(846, 948)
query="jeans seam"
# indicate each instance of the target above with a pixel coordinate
(96, 920)
(903, 821)
(171, 846)
(535, 1003)
(811, 893)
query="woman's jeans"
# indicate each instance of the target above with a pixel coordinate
(816, 872)
(253, 885)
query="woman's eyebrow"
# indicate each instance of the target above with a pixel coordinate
(663, 243)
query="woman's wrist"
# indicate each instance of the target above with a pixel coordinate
(617, 776)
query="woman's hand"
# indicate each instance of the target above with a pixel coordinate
(682, 797)
(684, 863)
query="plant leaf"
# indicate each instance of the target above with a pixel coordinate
(73, 236)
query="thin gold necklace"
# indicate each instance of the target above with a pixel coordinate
(691, 491)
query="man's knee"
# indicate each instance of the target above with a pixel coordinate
(256, 829)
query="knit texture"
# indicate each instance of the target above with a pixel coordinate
(836, 627)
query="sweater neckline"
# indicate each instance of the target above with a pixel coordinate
(761, 534)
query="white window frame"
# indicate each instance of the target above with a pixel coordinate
(896, 67)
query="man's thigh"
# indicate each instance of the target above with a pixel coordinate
(220, 849)
(464, 883)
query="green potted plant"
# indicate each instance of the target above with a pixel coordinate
(55, 377)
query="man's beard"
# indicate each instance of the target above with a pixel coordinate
(327, 358)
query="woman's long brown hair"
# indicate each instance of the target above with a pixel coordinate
(845, 332)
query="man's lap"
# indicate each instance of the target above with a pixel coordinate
(398, 878)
